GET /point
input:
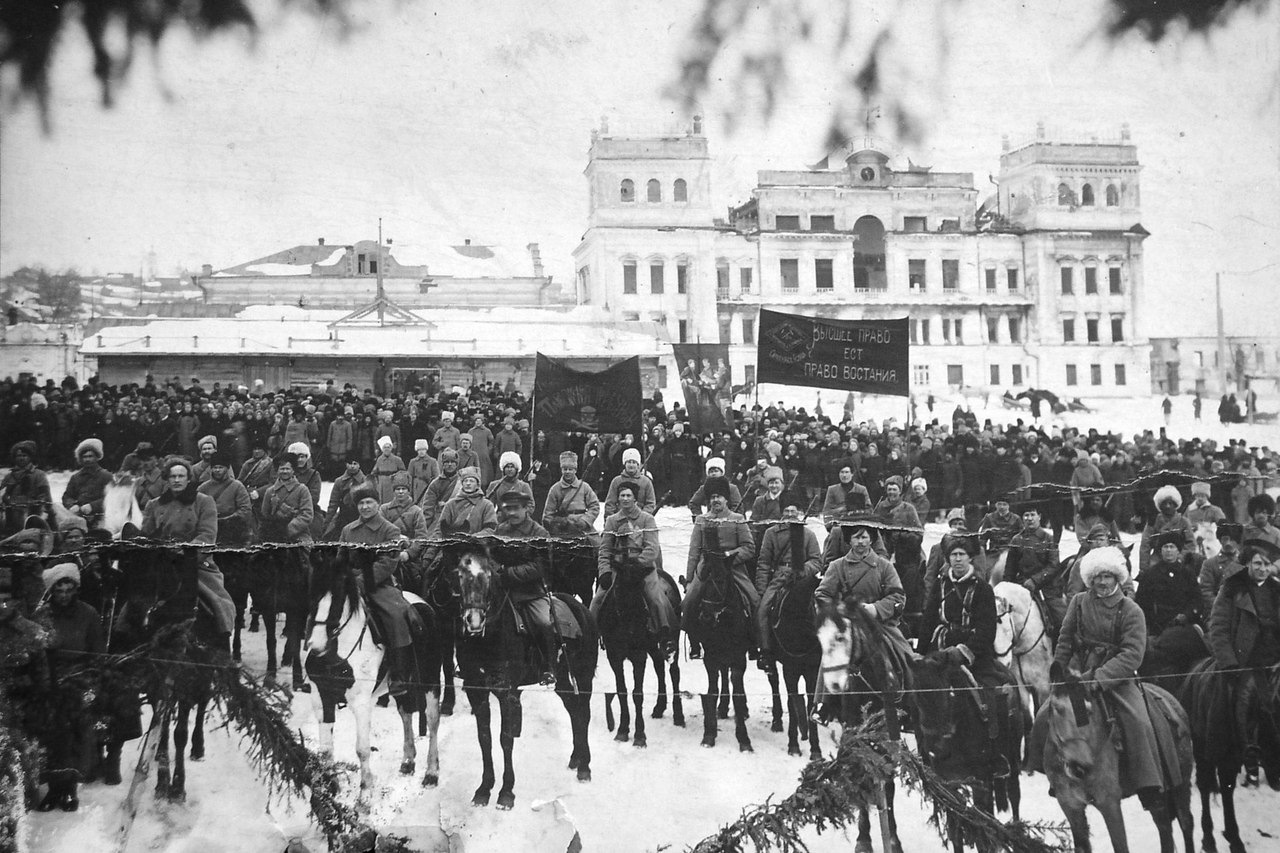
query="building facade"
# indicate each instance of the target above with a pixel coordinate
(1210, 367)
(1036, 286)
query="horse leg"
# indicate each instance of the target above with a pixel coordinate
(1079, 823)
(197, 730)
(1181, 803)
(362, 708)
(269, 619)
(889, 821)
(509, 729)
(659, 672)
(431, 714)
(740, 706)
(579, 707)
(677, 704)
(178, 789)
(162, 757)
(809, 704)
(725, 692)
(448, 641)
(1111, 813)
(1204, 781)
(240, 599)
(1227, 790)
(619, 665)
(863, 844)
(638, 667)
(710, 725)
(791, 678)
(293, 627)
(479, 699)
(772, 673)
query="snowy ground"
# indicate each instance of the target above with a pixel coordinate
(667, 796)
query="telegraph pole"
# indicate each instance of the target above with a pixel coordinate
(382, 296)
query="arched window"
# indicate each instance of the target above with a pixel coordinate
(1113, 196)
(681, 190)
(1066, 197)
(654, 190)
(1086, 195)
(628, 191)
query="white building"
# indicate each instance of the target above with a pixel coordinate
(1035, 287)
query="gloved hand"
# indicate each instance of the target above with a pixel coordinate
(1029, 585)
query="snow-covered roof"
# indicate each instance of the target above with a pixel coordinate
(462, 259)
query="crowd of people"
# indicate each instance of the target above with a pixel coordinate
(232, 468)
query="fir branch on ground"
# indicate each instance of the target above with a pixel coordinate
(832, 791)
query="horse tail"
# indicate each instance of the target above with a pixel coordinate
(1000, 790)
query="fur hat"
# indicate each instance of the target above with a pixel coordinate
(631, 454)
(895, 480)
(715, 462)
(956, 514)
(421, 444)
(1109, 560)
(220, 457)
(362, 491)
(291, 458)
(61, 572)
(73, 522)
(300, 448)
(1200, 487)
(1168, 537)
(773, 472)
(968, 541)
(715, 486)
(208, 439)
(470, 471)
(94, 444)
(509, 457)
(1167, 493)
(515, 497)
(385, 442)
(447, 454)
(27, 447)
(400, 478)
(446, 416)
(921, 483)
(569, 456)
(1257, 503)
(1230, 530)
(1099, 530)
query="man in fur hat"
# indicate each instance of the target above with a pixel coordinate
(423, 468)
(441, 490)
(788, 553)
(1168, 519)
(207, 446)
(287, 511)
(641, 485)
(235, 510)
(1222, 565)
(148, 481)
(1261, 509)
(572, 506)
(447, 436)
(719, 535)
(1169, 596)
(630, 546)
(375, 576)
(715, 467)
(468, 513)
(87, 488)
(1201, 511)
(385, 465)
(509, 466)
(24, 491)
(406, 515)
(526, 578)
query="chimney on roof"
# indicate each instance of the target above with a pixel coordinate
(697, 125)
(536, 254)
(206, 270)
(320, 241)
(467, 241)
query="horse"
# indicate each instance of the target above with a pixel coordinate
(950, 727)
(721, 625)
(119, 507)
(441, 595)
(1082, 762)
(1022, 643)
(795, 646)
(345, 665)
(1230, 731)
(495, 659)
(627, 637)
(861, 668)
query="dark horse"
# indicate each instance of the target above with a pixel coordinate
(438, 591)
(627, 636)
(721, 625)
(952, 733)
(1232, 726)
(864, 672)
(159, 590)
(279, 579)
(497, 658)
(795, 646)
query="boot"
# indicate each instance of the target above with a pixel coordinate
(710, 725)
(397, 677)
(550, 653)
(111, 766)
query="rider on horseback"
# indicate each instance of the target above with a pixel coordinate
(376, 581)
(630, 545)
(1033, 562)
(961, 629)
(1169, 596)
(526, 579)
(866, 577)
(775, 571)
(719, 535)
(999, 527)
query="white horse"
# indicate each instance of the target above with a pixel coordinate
(1022, 644)
(119, 506)
(343, 664)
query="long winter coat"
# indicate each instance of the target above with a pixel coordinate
(385, 466)
(389, 606)
(26, 492)
(287, 513)
(235, 511)
(468, 514)
(870, 579)
(88, 486)
(1235, 630)
(1167, 591)
(965, 614)
(192, 517)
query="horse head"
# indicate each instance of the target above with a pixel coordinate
(1075, 729)
(849, 637)
(474, 574)
(934, 682)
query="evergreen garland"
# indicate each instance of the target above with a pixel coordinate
(832, 791)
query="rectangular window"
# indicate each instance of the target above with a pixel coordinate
(1091, 330)
(1113, 275)
(1199, 359)
(361, 266)
(946, 329)
(725, 331)
(629, 277)
(993, 329)
(1090, 280)
(656, 283)
(787, 223)
(1067, 286)
(959, 336)
(682, 330)
(1068, 331)
(924, 330)
(1117, 329)
(749, 374)
(748, 330)
(1017, 374)
(914, 223)
(1071, 374)
(822, 223)
(1120, 376)
(949, 225)
(1011, 275)
(1015, 330)
(789, 268)
(950, 274)
(682, 278)
(744, 279)
(995, 374)
(990, 274)
(914, 326)
(916, 275)
(373, 267)
(955, 374)
(722, 280)
(823, 274)
(1095, 374)
(920, 374)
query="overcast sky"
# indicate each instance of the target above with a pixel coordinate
(472, 119)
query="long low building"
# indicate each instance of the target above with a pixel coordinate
(284, 347)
